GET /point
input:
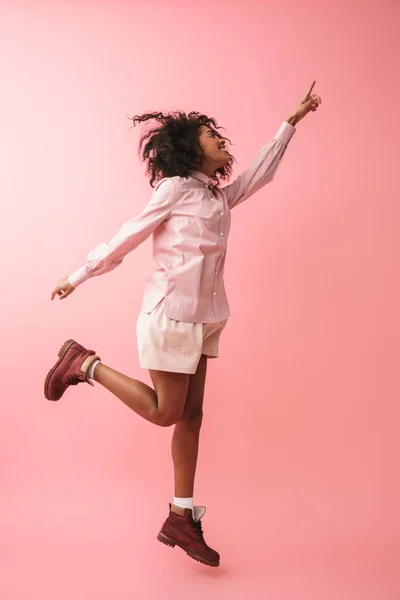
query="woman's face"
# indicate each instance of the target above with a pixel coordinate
(214, 148)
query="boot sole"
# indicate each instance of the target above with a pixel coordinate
(61, 354)
(168, 542)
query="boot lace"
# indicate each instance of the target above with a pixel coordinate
(74, 379)
(198, 530)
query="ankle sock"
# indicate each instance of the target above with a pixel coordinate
(90, 371)
(183, 502)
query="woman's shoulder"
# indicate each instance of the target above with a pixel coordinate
(173, 186)
(168, 183)
(168, 188)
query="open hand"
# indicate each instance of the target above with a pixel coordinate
(62, 289)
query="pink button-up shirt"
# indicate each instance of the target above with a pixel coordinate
(190, 222)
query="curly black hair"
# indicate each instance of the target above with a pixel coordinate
(173, 148)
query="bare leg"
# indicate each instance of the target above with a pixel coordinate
(185, 440)
(162, 406)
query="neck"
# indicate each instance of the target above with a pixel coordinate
(207, 171)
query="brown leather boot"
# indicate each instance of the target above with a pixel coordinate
(186, 532)
(70, 369)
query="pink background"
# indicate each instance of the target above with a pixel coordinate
(300, 447)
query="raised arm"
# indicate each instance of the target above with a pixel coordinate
(265, 165)
(262, 169)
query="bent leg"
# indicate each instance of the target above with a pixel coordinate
(162, 406)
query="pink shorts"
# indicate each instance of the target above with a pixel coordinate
(175, 346)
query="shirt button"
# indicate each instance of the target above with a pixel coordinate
(216, 272)
(221, 233)
(214, 293)
(222, 213)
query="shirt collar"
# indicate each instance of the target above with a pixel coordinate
(198, 175)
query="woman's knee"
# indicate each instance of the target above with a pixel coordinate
(171, 391)
(167, 419)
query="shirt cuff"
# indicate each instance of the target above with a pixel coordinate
(78, 277)
(285, 133)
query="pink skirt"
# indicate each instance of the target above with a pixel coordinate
(175, 346)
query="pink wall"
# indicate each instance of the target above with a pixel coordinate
(300, 446)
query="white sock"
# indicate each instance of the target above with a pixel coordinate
(184, 502)
(90, 371)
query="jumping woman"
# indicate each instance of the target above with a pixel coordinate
(185, 307)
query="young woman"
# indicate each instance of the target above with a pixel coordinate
(185, 307)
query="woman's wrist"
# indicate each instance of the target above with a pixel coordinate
(292, 120)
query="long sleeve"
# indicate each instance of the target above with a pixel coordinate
(263, 168)
(107, 256)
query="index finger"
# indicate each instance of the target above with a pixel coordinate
(310, 89)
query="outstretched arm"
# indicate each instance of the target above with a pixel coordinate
(262, 169)
(266, 163)
(107, 256)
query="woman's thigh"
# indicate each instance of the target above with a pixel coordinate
(193, 408)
